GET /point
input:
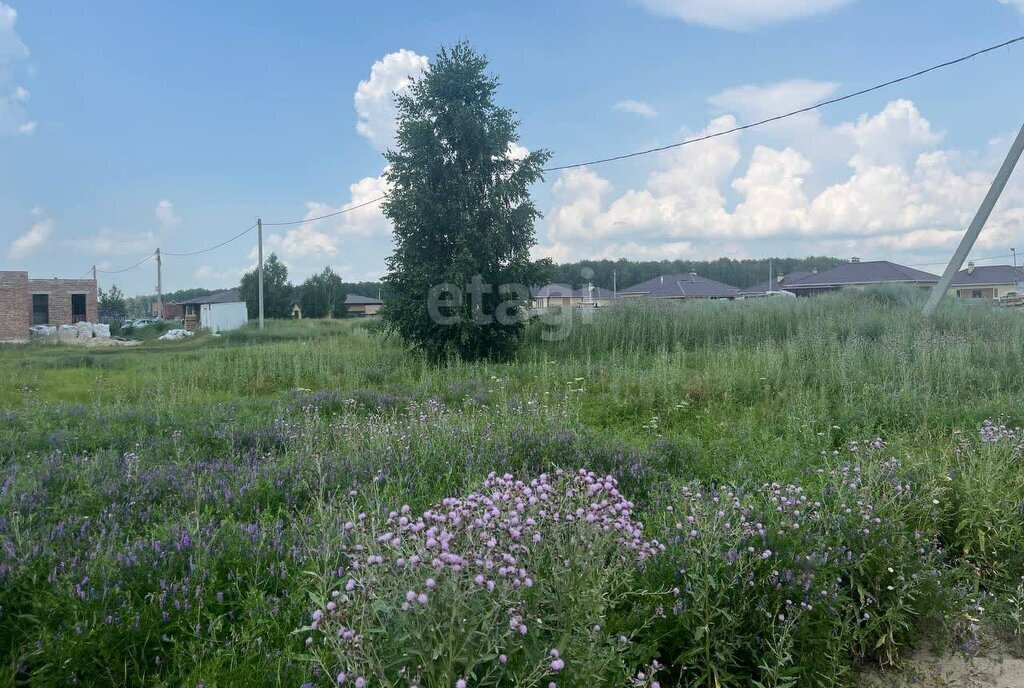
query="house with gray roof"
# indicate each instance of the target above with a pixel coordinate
(551, 295)
(987, 281)
(858, 274)
(681, 286)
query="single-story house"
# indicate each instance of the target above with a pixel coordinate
(25, 302)
(551, 295)
(779, 283)
(218, 312)
(362, 306)
(857, 274)
(987, 281)
(563, 295)
(594, 296)
(683, 286)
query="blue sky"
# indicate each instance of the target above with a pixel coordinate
(127, 126)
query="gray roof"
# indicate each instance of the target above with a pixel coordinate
(229, 296)
(989, 274)
(866, 272)
(551, 290)
(683, 286)
(597, 293)
(776, 284)
(360, 300)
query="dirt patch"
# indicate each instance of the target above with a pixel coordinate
(931, 669)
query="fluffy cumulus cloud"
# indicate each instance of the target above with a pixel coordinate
(898, 195)
(14, 119)
(375, 97)
(166, 215)
(637, 107)
(740, 14)
(34, 238)
(1019, 4)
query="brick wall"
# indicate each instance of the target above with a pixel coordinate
(15, 305)
(60, 291)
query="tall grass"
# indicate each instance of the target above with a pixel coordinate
(167, 512)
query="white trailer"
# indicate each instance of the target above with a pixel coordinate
(221, 317)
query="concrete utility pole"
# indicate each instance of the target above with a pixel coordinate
(159, 287)
(967, 243)
(259, 233)
(94, 276)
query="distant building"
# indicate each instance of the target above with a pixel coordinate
(857, 275)
(362, 306)
(218, 312)
(682, 286)
(562, 295)
(551, 295)
(172, 311)
(25, 302)
(778, 283)
(987, 281)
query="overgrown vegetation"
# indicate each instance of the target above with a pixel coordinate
(793, 488)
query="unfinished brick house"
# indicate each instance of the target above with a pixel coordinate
(25, 302)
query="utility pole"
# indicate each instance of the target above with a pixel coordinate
(94, 275)
(259, 233)
(967, 243)
(159, 287)
(615, 284)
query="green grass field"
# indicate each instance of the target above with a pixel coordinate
(829, 481)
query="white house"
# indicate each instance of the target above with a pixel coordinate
(218, 312)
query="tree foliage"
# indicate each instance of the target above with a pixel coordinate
(277, 290)
(323, 295)
(112, 304)
(461, 211)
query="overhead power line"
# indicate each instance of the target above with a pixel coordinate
(130, 267)
(625, 156)
(776, 118)
(212, 248)
(324, 217)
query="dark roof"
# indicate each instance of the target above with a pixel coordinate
(776, 284)
(866, 272)
(597, 293)
(989, 274)
(551, 290)
(360, 300)
(684, 286)
(229, 296)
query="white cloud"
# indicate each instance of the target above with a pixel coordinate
(323, 237)
(111, 242)
(752, 103)
(740, 14)
(517, 152)
(893, 136)
(1019, 4)
(637, 107)
(211, 276)
(897, 193)
(36, 236)
(166, 215)
(374, 97)
(13, 118)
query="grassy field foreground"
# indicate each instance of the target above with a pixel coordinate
(725, 494)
